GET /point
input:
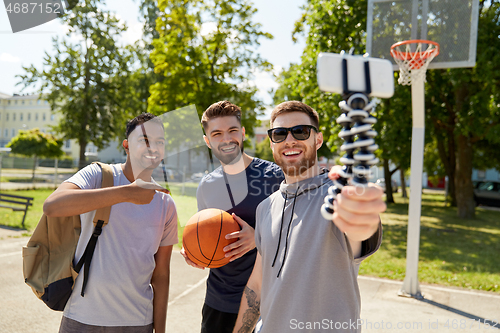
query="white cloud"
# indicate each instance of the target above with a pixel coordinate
(133, 33)
(207, 28)
(264, 81)
(6, 57)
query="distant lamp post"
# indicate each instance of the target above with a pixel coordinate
(93, 155)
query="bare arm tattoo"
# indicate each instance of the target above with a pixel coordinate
(251, 315)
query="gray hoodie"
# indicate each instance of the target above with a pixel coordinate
(309, 274)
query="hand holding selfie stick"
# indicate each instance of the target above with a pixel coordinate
(358, 75)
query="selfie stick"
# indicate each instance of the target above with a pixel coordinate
(359, 137)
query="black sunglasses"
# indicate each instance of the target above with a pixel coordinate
(299, 132)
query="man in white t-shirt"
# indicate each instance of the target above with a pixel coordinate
(128, 283)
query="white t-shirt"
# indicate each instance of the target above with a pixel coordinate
(118, 291)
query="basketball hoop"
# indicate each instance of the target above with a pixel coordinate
(413, 59)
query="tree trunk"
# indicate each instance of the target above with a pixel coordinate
(82, 161)
(388, 185)
(448, 158)
(87, 100)
(463, 180)
(404, 194)
(33, 173)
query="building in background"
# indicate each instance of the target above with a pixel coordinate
(25, 112)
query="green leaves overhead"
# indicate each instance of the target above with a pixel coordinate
(85, 81)
(206, 52)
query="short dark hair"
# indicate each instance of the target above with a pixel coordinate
(296, 106)
(220, 109)
(139, 120)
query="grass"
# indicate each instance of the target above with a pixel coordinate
(14, 219)
(185, 204)
(39, 170)
(453, 252)
(23, 179)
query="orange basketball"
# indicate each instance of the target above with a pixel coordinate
(204, 237)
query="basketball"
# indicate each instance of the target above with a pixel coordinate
(204, 237)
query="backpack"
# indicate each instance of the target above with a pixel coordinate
(48, 256)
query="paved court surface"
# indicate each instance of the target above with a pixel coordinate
(443, 309)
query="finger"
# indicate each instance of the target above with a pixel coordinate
(233, 235)
(235, 254)
(192, 263)
(232, 246)
(362, 193)
(356, 218)
(334, 172)
(350, 228)
(239, 220)
(164, 191)
(195, 265)
(350, 204)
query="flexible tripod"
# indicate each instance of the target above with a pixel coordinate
(359, 140)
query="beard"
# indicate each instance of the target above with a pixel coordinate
(297, 167)
(231, 158)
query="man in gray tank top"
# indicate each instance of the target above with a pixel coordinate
(305, 274)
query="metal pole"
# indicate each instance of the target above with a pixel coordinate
(411, 286)
(183, 180)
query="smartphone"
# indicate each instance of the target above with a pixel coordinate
(330, 74)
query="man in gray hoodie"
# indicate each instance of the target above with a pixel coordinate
(305, 274)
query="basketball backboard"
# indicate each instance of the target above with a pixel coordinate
(451, 23)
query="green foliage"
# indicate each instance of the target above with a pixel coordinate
(150, 12)
(394, 127)
(35, 143)
(463, 111)
(205, 53)
(462, 105)
(453, 251)
(333, 27)
(432, 162)
(263, 150)
(86, 81)
(14, 219)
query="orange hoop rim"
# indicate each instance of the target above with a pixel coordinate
(422, 55)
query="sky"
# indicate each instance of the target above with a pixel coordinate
(28, 47)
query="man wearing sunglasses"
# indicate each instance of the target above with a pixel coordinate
(305, 273)
(237, 186)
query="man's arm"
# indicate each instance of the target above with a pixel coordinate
(357, 212)
(69, 199)
(161, 282)
(250, 301)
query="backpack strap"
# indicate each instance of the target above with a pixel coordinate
(107, 181)
(101, 219)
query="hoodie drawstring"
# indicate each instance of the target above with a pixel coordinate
(281, 229)
(287, 232)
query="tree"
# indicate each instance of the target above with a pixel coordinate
(263, 150)
(206, 52)
(85, 81)
(464, 110)
(150, 13)
(394, 127)
(332, 27)
(35, 143)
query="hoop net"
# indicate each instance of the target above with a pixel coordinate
(412, 59)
